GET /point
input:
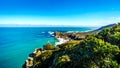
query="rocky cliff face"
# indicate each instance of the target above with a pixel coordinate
(72, 36)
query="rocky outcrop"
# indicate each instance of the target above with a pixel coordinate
(71, 36)
(29, 63)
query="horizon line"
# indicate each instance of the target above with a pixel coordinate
(49, 25)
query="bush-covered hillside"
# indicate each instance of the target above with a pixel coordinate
(95, 51)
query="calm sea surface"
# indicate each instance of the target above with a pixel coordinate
(16, 43)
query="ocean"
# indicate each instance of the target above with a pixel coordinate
(16, 43)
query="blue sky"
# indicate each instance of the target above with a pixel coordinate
(59, 12)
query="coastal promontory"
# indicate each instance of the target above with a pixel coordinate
(83, 50)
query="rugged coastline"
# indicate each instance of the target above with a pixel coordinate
(66, 42)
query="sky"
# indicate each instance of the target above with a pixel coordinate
(59, 12)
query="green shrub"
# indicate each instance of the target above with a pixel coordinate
(48, 46)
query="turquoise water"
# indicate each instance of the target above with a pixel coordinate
(16, 43)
